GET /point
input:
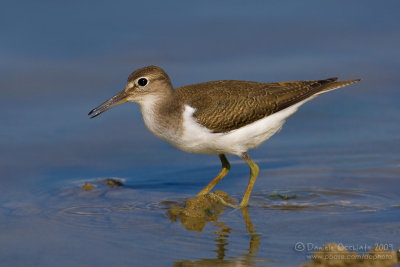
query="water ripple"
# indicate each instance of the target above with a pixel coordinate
(321, 199)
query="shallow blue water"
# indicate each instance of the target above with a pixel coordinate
(339, 154)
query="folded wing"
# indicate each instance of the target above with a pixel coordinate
(227, 105)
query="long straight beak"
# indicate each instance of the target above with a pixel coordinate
(112, 102)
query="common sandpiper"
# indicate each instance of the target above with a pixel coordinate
(218, 117)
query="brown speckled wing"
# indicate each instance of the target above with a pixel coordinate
(223, 106)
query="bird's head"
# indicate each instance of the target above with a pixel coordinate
(143, 85)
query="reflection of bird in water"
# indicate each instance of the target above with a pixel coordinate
(202, 209)
(219, 117)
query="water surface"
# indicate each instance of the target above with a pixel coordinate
(331, 175)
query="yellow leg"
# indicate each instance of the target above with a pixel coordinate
(254, 169)
(225, 169)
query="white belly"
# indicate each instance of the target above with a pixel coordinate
(196, 138)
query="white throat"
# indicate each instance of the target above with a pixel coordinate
(155, 121)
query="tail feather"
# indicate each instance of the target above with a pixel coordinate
(335, 85)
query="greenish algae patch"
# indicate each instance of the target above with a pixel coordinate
(88, 187)
(111, 183)
(101, 183)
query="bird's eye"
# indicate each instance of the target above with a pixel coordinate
(142, 81)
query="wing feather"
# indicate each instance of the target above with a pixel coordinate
(223, 106)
